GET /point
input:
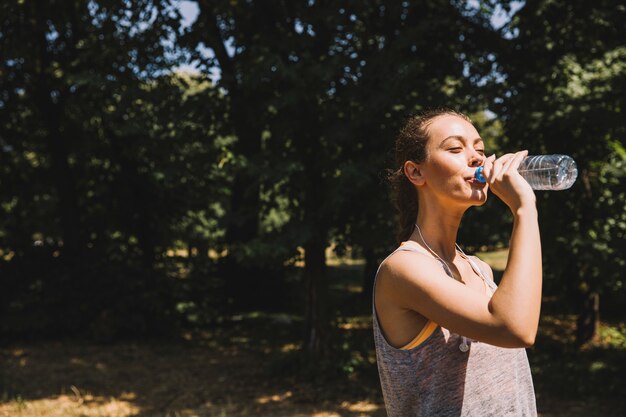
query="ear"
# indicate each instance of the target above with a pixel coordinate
(414, 173)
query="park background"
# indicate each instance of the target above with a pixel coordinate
(193, 199)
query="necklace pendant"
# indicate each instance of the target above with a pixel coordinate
(464, 347)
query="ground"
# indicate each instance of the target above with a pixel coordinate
(251, 364)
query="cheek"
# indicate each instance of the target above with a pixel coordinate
(451, 166)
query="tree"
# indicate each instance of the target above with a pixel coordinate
(238, 35)
(564, 92)
(328, 85)
(100, 167)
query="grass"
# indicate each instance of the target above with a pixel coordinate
(251, 364)
(496, 259)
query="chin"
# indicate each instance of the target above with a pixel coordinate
(479, 197)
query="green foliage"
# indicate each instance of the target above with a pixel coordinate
(110, 160)
(565, 94)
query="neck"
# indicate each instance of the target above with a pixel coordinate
(439, 228)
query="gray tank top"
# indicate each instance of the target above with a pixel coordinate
(438, 378)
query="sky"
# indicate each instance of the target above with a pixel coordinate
(189, 10)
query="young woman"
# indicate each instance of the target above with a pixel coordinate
(449, 342)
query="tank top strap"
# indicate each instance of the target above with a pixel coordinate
(399, 248)
(408, 247)
(492, 285)
(430, 325)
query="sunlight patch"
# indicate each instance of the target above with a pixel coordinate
(66, 406)
(289, 347)
(265, 399)
(359, 406)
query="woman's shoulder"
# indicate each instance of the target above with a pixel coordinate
(408, 257)
(408, 250)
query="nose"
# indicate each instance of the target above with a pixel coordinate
(476, 159)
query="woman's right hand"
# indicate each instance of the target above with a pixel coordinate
(506, 182)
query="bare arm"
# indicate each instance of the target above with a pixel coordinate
(510, 318)
(518, 297)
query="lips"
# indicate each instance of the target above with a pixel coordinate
(474, 181)
(472, 178)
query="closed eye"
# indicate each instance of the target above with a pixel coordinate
(459, 149)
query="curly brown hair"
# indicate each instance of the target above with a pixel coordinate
(411, 146)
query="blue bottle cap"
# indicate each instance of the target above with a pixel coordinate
(478, 175)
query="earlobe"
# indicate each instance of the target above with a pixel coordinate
(414, 173)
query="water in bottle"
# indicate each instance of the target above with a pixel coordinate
(544, 172)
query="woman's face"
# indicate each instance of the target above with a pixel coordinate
(455, 150)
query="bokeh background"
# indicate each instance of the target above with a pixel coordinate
(193, 201)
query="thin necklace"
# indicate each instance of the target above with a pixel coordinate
(430, 249)
(463, 347)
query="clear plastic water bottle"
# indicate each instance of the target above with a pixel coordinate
(544, 172)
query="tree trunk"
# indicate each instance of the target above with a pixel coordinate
(316, 336)
(317, 317)
(50, 103)
(245, 203)
(138, 197)
(145, 230)
(588, 318)
(243, 224)
(199, 259)
(245, 206)
(589, 306)
(62, 174)
(66, 188)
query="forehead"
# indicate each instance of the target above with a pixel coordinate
(450, 125)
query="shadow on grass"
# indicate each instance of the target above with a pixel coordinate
(593, 373)
(251, 364)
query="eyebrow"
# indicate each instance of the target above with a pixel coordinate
(460, 138)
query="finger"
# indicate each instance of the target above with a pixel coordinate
(511, 166)
(488, 166)
(519, 157)
(499, 166)
(507, 165)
